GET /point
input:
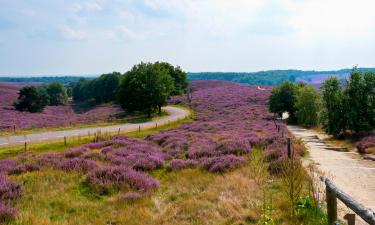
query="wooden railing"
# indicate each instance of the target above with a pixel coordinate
(332, 193)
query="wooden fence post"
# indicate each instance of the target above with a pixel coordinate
(118, 133)
(14, 128)
(65, 140)
(156, 126)
(290, 151)
(25, 146)
(139, 129)
(350, 218)
(331, 206)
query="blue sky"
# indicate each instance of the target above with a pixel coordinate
(92, 37)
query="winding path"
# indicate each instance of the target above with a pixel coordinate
(347, 170)
(174, 114)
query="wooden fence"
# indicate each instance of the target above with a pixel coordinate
(333, 193)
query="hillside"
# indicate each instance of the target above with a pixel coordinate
(273, 77)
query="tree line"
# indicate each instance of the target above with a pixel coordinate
(35, 98)
(341, 107)
(146, 87)
(269, 77)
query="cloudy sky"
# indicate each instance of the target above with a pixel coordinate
(91, 37)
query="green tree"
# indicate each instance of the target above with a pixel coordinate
(106, 87)
(32, 99)
(307, 106)
(145, 87)
(359, 94)
(334, 112)
(179, 77)
(282, 99)
(57, 93)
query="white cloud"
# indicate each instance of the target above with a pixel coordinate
(71, 34)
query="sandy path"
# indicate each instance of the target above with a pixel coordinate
(175, 114)
(347, 170)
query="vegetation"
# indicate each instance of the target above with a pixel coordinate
(179, 77)
(308, 106)
(32, 99)
(349, 107)
(57, 93)
(146, 87)
(271, 77)
(283, 99)
(99, 90)
(45, 79)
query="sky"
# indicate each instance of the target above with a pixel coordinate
(54, 37)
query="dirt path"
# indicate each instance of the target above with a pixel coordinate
(175, 114)
(347, 170)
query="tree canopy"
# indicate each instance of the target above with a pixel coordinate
(32, 99)
(145, 87)
(57, 93)
(101, 90)
(283, 98)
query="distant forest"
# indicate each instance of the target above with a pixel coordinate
(273, 77)
(270, 77)
(46, 79)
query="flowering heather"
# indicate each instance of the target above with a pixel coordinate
(365, 143)
(178, 164)
(80, 165)
(230, 120)
(9, 190)
(7, 212)
(107, 177)
(52, 116)
(222, 163)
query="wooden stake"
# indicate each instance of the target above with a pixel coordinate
(290, 153)
(25, 146)
(118, 133)
(350, 218)
(331, 206)
(65, 140)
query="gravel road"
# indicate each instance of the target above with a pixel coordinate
(175, 114)
(347, 170)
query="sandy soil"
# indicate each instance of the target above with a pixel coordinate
(347, 170)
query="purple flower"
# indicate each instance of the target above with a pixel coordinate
(9, 190)
(80, 165)
(7, 212)
(222, 163)
(119, 176)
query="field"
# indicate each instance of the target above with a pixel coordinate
(52, 116)
(197, 173)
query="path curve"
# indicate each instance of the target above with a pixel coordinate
(174, 114)
(347, 170)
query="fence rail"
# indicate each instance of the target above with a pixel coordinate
(332, 193)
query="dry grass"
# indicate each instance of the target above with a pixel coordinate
(190, 196)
